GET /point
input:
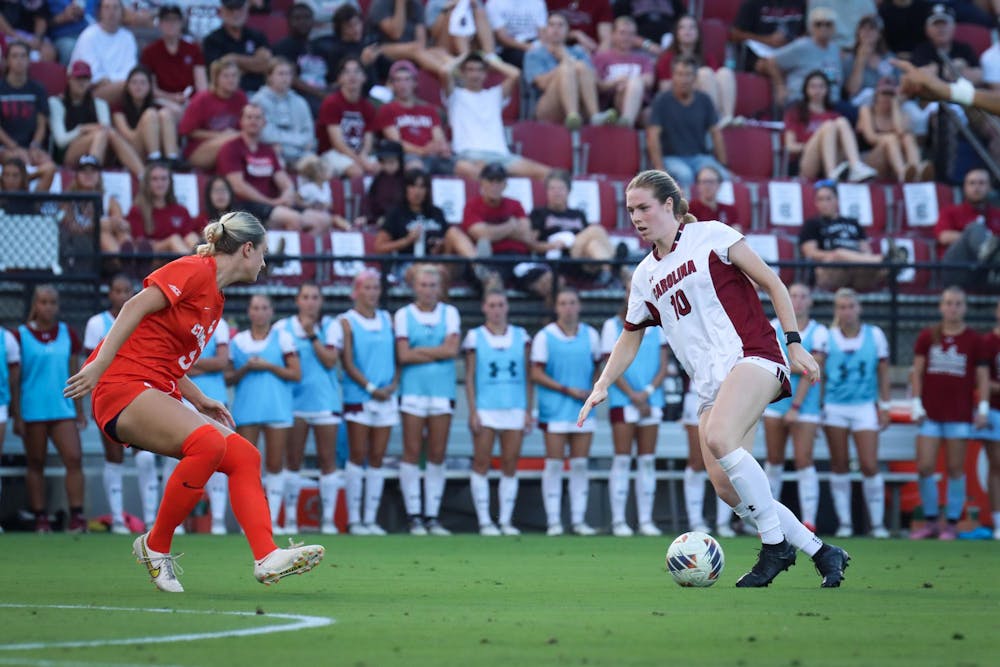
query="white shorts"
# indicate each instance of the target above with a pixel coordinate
(502, 420)
(629, 414)
(856, 417)
(374, 413)
(321, 418)
(779, 370)
(589, 425)
(425, 406)
(805, 419)
(689, 416)
(336, 162)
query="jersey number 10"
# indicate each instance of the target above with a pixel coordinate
(680, 303)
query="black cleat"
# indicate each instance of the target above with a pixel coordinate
(772, 560)
(830, 563)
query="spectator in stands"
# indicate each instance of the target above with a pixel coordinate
(704, 205)
(387, 188)
(459, 33)
(517, 24)
(417, 227)
(884, 132)
(177, 65)
(564, 78)
(589, 21)
(679, 122)
(290, 124)
(349, 40)
(79, 216)
(259, 181)
(476, 118)
(213, 116)
(27, 21)
(500, 226)
(714, 79)
(313, 182)
(249, 48)
(969, 232)
(564, 232)
(311, 73)
(624, 75)
(792, 63)
(869, 61)
(68, 20)
(50, 353)
(654, 19)
(150, 130)
(157, 217)
(830, 237)
(218, 199)
(110, 49)
(14, 178)
(416, 126)
(903, 24)
(818, 140)
(849, 14)
(773, 23)
(24, 113)
(345, 125)
(323, 12)
(940, 30)
(81, 124)
(400, 30)
(949, 368)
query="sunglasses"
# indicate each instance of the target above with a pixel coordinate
(823, 24)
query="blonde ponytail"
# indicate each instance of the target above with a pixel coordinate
(228, 234)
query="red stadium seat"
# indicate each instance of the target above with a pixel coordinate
(918, 206)
(976, 36)
(714, 36)
(292, 244)
(743, 200)
(723, 10)
(512, 105)
(52, 76)
(774, 248)
(609, 150)
(274, 26)
(751, 151)
(911, 280)
(865, 202)
(753, 96)
(786, 205)
(547, 143)
(429, 89)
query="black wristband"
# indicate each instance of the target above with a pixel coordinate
(313, 338)
(793, 337)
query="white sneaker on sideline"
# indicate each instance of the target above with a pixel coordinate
(508, 530)
(649, 530)
(880, 533)
(554, 530)
(417, 527)
(844, 531)
(119, 528)
(489, 530)
(725, 530)
(375, 529)
(435, 528)
(281, 563)
(179, 530)
(160, 566)
(329, 529)
(621, 530)
(219, 528)
(583, 529)
(358, 529)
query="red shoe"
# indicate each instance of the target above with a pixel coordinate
(927, 531)
(947, 533)
(77, 524)
(42, 525)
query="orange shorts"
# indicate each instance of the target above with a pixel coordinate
(110, 397)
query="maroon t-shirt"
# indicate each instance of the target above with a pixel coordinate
(173, 71)
(207, 111)
(258, 166)
(958, 216)
(477, 210)
(167, 221)
(49, 335)
(724, 213)
(805, 130)
(354, 119)
(415, 123)
(991, 350)
(950, 373)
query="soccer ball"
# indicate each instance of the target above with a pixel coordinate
(695, 559)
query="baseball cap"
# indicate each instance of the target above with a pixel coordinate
(87, 160)
(940, 12)
(79, 69)
(234, 4)
(494, 171)
(403, 66)
(822, 14)
(389, 148)
(170, 10)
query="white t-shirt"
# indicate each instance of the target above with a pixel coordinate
(452, 321)
(520, 18)
(540, 343)
(990, 62)
(12, 348)
(477, 120)
(501, 342)
(96, 330)
(854, 344)
(610, 332)
(110, 55)
(250, 345)
(334, 332)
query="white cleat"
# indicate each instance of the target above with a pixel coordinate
(160, 566)
(649, 529)
(555, 530)
(119, 528)
(358, 529)
(219, 528)
(508, 530)
(281, 563)
(435, 528)
(583, 530)
(375, 529)
(489, 530)
(329, 528)
(725, 530)
(844, 531)
(417, 527)
(621, 530)
(880, 533)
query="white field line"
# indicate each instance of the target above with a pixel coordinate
(37, 662)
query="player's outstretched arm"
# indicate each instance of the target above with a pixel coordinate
(924, 83)
(620, 359)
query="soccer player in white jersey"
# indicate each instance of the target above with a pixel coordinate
(120, 290)
(636, 412)
(696, 285)
(499, 397)
(799, 414)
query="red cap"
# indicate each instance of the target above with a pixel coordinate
(79, 70)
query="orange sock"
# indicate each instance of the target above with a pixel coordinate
(246, 494)
(201, 453)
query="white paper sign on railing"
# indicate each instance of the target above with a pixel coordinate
(586, 196)
(347, 244)
(448, 194)
(856, 202)
(764, 245)
(284, 243)
(118, 184)
(907, 275)
(920, 200)
(725, 195)
(786, 203)
(519, 188)
(186, 192)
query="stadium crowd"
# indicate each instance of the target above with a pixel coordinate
(284, 109)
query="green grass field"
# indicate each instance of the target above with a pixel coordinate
(468, 600)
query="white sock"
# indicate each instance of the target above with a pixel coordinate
(874, 489)
(480, 488)
(154, 156)
(113, 473)
(149, 484)
(409, 486)
(724, 513)
(618, 486)
(740, 510)
(330, 485)
(579, 489)
(694, 495)
(293, 487)
(508, 498)
(274, 487)
(996, 520)
(645, 487)
(552, 490)
(808, 482)
(797, 535)
(433, 488)
(353, 480)
(840, 489)
(218, 490)
(750, 482)
(374, 483)
(773, 472)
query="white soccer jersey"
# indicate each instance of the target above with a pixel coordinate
(707, 307)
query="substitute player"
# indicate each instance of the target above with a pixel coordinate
(696, 285)
(137, 376)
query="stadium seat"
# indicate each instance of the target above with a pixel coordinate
(741, 197)
(609, 150)
(918, 205)
(512, 105)
(429, 89)
(292, 244)
(976, 36)
(751, 151)
(723, 10)
(273, 25)
(52, 76)
(911, 280)
(714, 36)
(866, 203)
(773, 248)
(547, 143)
(786, 206)
(450, 193)
(753, 96)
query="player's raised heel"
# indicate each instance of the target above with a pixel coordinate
(281, 563)
(772, 560)
(161, 566)
(830, 563)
